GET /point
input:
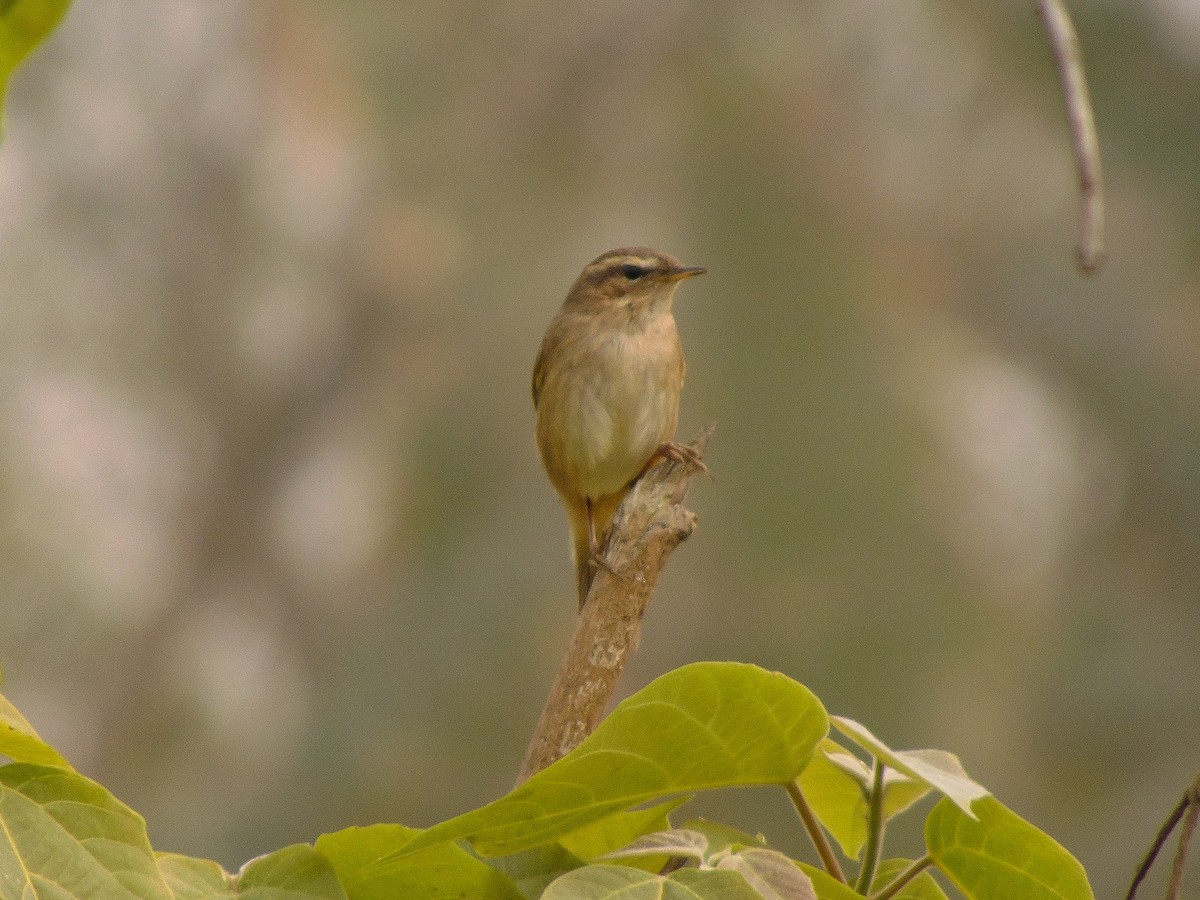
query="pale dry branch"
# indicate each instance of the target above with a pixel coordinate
(1189, 805)
(1175, 885)
(1064, 43)
(649, 525)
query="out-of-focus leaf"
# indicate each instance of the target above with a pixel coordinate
(23, 25)
(997, 855)
(706, 725)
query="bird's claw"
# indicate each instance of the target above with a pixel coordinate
(684, 455)
(597, 561)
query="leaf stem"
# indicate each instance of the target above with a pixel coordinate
(904, 878)
(874, 829)
(815, 833)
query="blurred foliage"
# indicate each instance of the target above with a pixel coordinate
(275, 274)
(23, 25)
(556, 834)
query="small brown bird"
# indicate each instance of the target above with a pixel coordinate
(606, 388)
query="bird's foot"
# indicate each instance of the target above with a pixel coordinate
(684, 455)
(597, 561)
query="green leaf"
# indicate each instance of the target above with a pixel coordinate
(771, 874)
(837, 797)
(297, 872)
(189, 878)
(616, 831)
(675, 842)
(19, 742)
(293, 873)
(936, 768)
(1000, 856)
(23, 25)
(723, 837)
(836, 784)
(442, 871)
(706, 725)
(532, 870)
(62, 835)
(623, 883)
(923, 887)
(900, 791)
(828, 887)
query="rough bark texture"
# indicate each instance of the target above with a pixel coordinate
(649, 525)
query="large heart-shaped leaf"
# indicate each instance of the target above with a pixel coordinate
(772, 875)
(445, 870)
(997, 855)
(62, 835)
(297, 872)
(706, 725)
(189, 878)
(623, 883)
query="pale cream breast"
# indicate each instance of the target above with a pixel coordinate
(612, 422)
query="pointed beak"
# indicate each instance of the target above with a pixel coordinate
(685, 272)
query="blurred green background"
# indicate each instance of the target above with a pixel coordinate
(278, 553)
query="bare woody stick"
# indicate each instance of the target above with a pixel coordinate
(1175, 885)
(649, 525)
(1064, 43)
(1188, 804)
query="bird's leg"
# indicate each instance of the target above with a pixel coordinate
(680, 453)
(595, 557)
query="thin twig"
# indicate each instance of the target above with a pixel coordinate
(815, 832)
(1064, 42)
(1175, 885)
(1161, 838)
(651, 522)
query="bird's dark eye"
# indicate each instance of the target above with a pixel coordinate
(632, 272)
